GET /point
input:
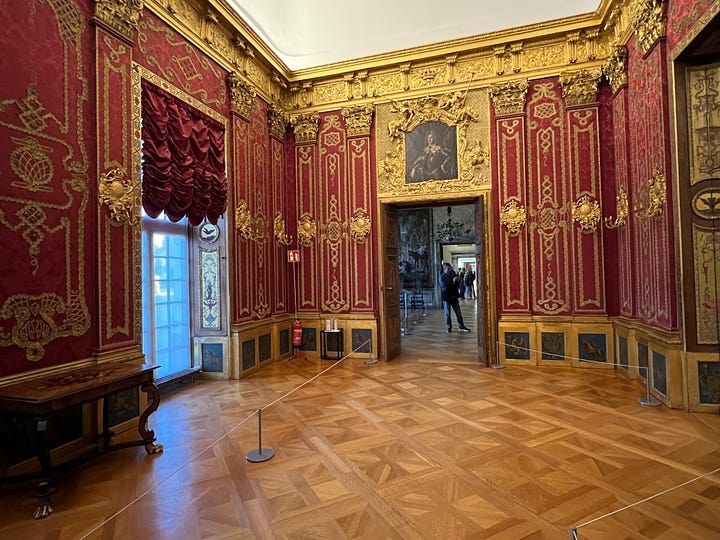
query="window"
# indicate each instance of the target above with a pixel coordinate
(166, 295)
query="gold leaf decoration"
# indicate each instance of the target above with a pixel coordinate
(586, 213)
(513, 216)
(307, 229)
(243, 221)
(657, 196)
(281, 235)
(622, 211)
(360, 226)
(120, 195)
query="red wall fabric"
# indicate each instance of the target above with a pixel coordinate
(681, 16)
(48, 217)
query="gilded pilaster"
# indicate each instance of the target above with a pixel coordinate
(358, 120)
(278, 122)
(615, 69)
(305, 127)
(242, 95)
(120, 16)
(649, 21)
(509, 98)
(580, 87)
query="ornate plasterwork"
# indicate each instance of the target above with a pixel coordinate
(121, 195)
(657, 196)
(305, 127)
(358, 119)
(509, 98)
(615, 69)
(622, 211)
(278, 122)
(243, 221)
(513, 216)
(649, 21)
(580, 87)
(242, 95)
(586, 213)
(121, 16)
(281, 236)
(306, 229)
(459, 109)
(360, 225)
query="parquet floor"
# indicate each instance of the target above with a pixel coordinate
(428, 446)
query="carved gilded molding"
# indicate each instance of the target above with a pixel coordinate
(242, 95)
(279, 232)
(360, 226)
(306, 229)
(622, 211)
(509, 98)
(657, 196)
(243, 221)
(649, 20)
(513, 216)
(615, 69)
(278, 121)
(121, 16)
(586, 213)
(121, 195)
(305, 127)
(580, 87)
(358, 119)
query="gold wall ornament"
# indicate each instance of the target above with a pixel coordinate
(657, 196)
(649, 21)
(360, 226)
(281, 235)
(121, 195)
(622, 211)
(513, 216)
(278, 121)
(586, 213)
(242, 95)
(358, 119)
(305, 127)
(243, 221)
(122, 16)
(307, 229)
(615, 69)
(509, 98)
(580, 87)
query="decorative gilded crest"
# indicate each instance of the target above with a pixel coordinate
(586, 213)
(122, 16)
(580, 87)
(615, 70)
(242, 96)
(305, 127)
(306, 230)
(513, 216)
(657, 196)
(278, 122)
(360, 226)
(243, 221)
(649, 21)
(120, 195)
(281, 235)
(622, 211)
(509, 98)
(358, 119)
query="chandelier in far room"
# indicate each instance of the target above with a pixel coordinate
(447, 231)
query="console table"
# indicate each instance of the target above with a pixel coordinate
(44, 396)
(331, 342)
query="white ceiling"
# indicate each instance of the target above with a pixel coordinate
(311, 33)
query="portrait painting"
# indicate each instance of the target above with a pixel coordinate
(431, 152)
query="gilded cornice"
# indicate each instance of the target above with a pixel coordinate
(649, 21)
(242, 95)
(580, 87)
(509, 97)
(278, 122)
(305, 127)
(358, 119)
(121, 16)
(615, 70)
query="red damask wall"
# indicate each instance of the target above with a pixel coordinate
(48, 208)
(681, 16)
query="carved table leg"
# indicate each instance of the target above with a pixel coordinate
(146, 434)
(44, 489)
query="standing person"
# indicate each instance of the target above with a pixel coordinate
(449, 291)
(461, 283)
(470, 284)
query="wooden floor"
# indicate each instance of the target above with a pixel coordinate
(428, 446)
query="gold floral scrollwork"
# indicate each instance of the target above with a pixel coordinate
(120, 15)
(120, 195)
(615, 70)
(586, 213)
(509, 98)
(580, 87)
(649, 21)
(281, 235)
(306, 230)
(305, 127)
(360, 226)
(657, 196)
(358, 119)
(622, 211)
(243, 221)
(242, 95)
(513, 216)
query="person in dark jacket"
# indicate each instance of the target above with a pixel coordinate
(449, 291)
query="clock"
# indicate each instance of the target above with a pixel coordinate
(209, 232)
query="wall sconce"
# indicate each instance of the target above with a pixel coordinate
(243, 221)
(307, 228)
(360, 226)
(622, 211)
(281, 235)
(657, 196)
(513, 216)
(586, 213)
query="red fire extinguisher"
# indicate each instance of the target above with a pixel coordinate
(297, 333)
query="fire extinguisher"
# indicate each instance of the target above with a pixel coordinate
(297, 333)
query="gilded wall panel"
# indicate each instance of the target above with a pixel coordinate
(308, 216)
(704, 120)
(280, 270)
(362, 208)
(625, 251)
(706, 265)
(242, 284)
(384, 83)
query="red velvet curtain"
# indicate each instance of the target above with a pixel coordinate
(183, 159)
